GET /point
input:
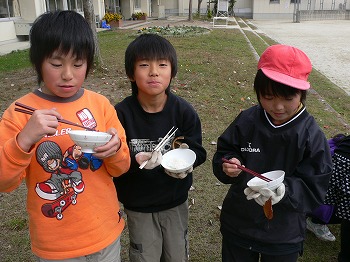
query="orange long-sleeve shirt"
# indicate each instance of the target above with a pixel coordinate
(72, 202)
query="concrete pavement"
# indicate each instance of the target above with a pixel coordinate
(12, 46)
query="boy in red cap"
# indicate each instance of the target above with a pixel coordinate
(276, 134)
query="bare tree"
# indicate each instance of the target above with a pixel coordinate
(199, 7)
(89, 15)
(190, 11)
(231, 6)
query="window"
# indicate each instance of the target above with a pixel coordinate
(75, 5)
(137, 4)
(9, 8)
(112, 6)
(295, 1)
(274, 1)
(53, 5)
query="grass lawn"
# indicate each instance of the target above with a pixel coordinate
(216, 74)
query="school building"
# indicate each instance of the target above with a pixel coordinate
(16, 16)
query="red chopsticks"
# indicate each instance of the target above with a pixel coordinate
(29, 111)
(248, 170)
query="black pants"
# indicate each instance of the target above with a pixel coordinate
(333, 220)
(233, 253)
(344, 254)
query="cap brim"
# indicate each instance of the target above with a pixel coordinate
(287, 80)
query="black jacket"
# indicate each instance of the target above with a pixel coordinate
(153, 190)
(298, 147)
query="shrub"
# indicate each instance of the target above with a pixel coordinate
(112, 17)
(138, 15)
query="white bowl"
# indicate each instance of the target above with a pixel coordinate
(178, 160)
(88, 140)
(277, 177)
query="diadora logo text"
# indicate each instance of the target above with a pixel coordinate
(250, 149)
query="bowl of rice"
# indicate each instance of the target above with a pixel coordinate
(178, 160)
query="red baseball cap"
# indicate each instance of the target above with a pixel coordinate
(287, 65)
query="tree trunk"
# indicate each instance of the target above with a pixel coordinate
(89, 15)
(199, 7)
(190, 11)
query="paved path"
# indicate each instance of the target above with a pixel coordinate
(327, 43)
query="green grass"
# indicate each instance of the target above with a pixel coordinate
(216, 73)
(14, 61)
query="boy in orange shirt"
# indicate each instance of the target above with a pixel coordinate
(73, 208)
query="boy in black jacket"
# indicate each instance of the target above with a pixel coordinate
(277, 134)
(155, 200)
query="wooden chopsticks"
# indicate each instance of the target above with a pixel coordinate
(29, 111)
(161, 144)
(248, 170)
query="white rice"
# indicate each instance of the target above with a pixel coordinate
(177, 164)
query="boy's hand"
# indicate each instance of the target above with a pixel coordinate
(275, 195)
(153, 159)
(250, 193)
(181, 175)
(265, 194)
(110, 148)
(42, 122)
(231, 169)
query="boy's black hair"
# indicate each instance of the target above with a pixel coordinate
(63, 31)
(149, 47)
(266, 86)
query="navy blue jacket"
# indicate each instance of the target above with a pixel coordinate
(298, 147)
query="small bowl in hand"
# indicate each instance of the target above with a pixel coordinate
(178, 160)
(88, 140)
(277, 177)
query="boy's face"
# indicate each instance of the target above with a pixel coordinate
(281, 109)
(63, 75)
(152, 77)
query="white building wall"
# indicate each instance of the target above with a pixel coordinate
(263, 9)
(8, 32)
(171, 7)
(266, 10)
(181, 7)
(31, 9)
(99, 8)
(127, 8)
(12, 28)
(158, 9)
(145, 7)
(243, 8)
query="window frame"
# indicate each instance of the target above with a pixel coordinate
(10, 12)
